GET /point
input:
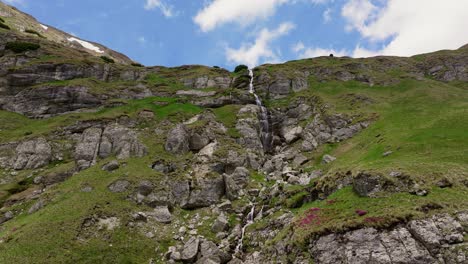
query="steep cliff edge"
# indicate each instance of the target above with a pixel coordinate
(118, 163)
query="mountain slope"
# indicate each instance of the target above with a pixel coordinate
(27, 25)
(106, 162)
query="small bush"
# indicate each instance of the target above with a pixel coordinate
(240, 68)
(30, 31)
(107, 59)
(137, 64)
(2, 20)
(4, 26)
(19, 47)
(216, 67)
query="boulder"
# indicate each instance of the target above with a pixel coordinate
(178, 140)
(119, 186)
(162, 214)
(367, 185)
(198, 141)
(210, 253)
(32, 154)
(291, 134)
(203, 193)
(328, 159)
(190, 250)
(121, 142)
(220, 224)
(111, 166)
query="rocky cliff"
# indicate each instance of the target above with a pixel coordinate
(118, 163)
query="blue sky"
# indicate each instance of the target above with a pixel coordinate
(230, 32)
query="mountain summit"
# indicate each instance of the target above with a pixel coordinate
(323, 160)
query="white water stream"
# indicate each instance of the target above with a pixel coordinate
(265, 134)
(250, 220)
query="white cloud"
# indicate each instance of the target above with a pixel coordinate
(304, 52)
(260, 50)
(167, 10)
(243, 12)
(411, 27)
(141, 40)
(327, 16)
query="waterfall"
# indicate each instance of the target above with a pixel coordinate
(250, 220)
(265, 133)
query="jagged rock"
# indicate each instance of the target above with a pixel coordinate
(163, 167)
(220, 224)
(249, 127)
(178, 140)
(36, 207)
(300, 159)
(32, 154)
(438, 231)
(87, 148)
(190, 250)
(162, 214)
(120, 141)
(111, 166)
(119, 186)
(369, 246)
(206, 154)
(328, 159)
(50, 101)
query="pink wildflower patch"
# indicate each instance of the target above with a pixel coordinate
(361, 212)
(311, 218)
(331, 201)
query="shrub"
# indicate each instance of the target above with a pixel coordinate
(107, 59)
(2, 20)
(137, 64)
(240, 68)
(19, 47)
(216, 67)
(4, 26)
(30, 31)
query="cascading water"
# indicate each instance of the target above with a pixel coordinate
(250, 220)
(265, 134)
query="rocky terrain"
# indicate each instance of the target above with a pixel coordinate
(103, 160)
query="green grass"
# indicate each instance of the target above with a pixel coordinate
(15, 126)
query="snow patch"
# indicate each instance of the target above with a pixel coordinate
(86, 45)
(44, 27)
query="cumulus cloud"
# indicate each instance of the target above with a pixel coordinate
(259, 51)
(244, 12)
(167, 10)
(409, 27)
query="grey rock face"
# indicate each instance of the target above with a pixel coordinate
(210, 253)
(86, 150)
(434, 240)
(204, 192)
(119, 186)
(197, 141)
(123, 141)
(178, 140)
(367, 185)
(249, 127)
(32, 154)
(114, 140)
(236, 182)
(50, 101)
(291, 134)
